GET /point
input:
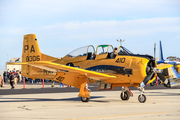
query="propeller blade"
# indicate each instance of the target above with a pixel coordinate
(165, 81)
(147, 78)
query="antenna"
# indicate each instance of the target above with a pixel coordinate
(120, 40)
(154, 51)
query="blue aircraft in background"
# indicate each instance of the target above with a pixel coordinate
(172, 74)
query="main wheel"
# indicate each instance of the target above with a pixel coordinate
(84, 99)
(125, 96)
(151, 84)
(142, 98)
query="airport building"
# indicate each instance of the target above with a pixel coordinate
(14, 60)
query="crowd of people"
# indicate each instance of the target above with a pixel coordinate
(12, 77)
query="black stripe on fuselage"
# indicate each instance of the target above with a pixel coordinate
(107, 69)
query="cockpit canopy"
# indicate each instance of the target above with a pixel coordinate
(105, 50)
(82, 51)
(124, 51)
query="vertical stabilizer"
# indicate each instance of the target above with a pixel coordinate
(161, 53)
(31, 51)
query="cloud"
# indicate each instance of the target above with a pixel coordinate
(62, 26)
(45, 11)
(138, 27)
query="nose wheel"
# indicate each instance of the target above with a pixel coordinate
(141, 97)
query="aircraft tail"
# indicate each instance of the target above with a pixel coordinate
(161, 53)
(31, 53)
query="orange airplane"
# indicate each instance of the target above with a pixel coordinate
(106, 66)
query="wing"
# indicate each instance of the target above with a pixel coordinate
(68, 69)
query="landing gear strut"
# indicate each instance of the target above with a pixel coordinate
(85, 99)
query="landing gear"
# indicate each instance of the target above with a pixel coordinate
(125, 95)
(141, 97)
(152, 84)
(84, 99)
(53, 84)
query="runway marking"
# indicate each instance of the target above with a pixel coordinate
(122, 115)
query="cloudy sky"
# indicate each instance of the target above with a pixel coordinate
(62, 26)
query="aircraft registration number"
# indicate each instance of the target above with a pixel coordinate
(60, 78)
(120, 60)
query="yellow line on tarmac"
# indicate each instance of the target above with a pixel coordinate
(122, 115)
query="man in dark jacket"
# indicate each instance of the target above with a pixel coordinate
(11, 78)
(5, 76)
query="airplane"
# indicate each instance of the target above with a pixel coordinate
(173, 72)
(86, 65)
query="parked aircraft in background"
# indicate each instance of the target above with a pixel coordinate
(173, 72)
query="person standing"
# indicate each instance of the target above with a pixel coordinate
(5, 76)
(14, 70)
(1, 81)
(20, 77)
(11, 78)
(15, 78)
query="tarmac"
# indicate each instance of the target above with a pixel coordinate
(103, 105)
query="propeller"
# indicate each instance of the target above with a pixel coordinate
(165, 81)
(149, 77)
(155, 71)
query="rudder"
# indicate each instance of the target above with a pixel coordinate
(31, 51)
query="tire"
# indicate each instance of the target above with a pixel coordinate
(126, 96)
(151, 84)
(142, 98)
(84, 99)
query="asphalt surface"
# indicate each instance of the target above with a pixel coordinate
(37, 89)
(63, 103)
(161, 104)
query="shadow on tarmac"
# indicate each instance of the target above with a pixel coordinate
(162, 94)
(46, 99)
